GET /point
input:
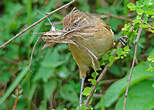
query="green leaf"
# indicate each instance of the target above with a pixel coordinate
(144, 26)
(115, 69)
(49, 88)
(63, 72)
(52, 59)
(140, 97)
(131, 6)
(116, 89)
(44, 74)
(137, 21)
(43, 105)
(14, 84)
(86, 91)
(83, 107)
(151, 58)
(93, 81)
(114, 23)
(140, 11)
(68, 93)
(100, 105)
(5, 77)
(94, 75)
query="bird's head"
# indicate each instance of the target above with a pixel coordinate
(75, 19)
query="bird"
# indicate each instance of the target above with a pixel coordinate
(88, 38)
(92, 38)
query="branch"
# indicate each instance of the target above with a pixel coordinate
(118, 17)
(132, 67)
(53, 23)
(8, 61)
(106, 15)
(31, 57)
(16, 100)
(97, 82)
(37, 22)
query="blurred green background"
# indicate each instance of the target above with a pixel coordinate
(53, 81)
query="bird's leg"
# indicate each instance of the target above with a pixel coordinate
(81, 89)
(123, 41)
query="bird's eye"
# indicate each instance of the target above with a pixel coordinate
(75, 24)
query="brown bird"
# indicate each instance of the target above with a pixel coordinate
(93, 39)
(88, 38)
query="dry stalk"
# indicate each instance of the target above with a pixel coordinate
(32, 53)
(132, 67)
(16, 100)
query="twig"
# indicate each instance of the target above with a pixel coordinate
(108, 81)
(118, 17)
(33, 52)
(132, 67)
(53, 23)
(98, 95)
(37, 22)
(114, 16)
(16, 100)
(8, 61)
(97, 82)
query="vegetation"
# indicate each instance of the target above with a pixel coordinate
(52, 82)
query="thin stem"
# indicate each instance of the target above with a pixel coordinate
(37, 22)
(33, 51)
(114, 16)
(94, 87)
(132, 67)
(16, 100)
(8, 61)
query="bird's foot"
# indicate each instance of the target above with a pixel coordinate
(123, 40)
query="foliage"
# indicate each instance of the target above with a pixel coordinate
(136, 97)
(53, 80)
(114, 91)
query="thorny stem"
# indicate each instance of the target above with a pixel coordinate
(94, 87)
(132, 67)
(37, 22)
